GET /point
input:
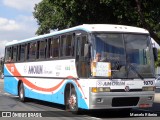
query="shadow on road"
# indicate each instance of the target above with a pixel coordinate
(55, 110)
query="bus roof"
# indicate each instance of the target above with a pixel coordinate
(88, 28)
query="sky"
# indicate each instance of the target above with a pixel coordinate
(16, 21)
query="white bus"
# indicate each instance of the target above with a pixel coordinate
(91, 66)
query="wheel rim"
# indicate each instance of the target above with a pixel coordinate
(73, 101)
(21, 93)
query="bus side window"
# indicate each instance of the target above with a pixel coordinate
(22, 52)
(38, 44)
(27, 51)
(18, 52)
(62, 45)
(32, 50)
(14, 54)
(42, 49)
(73, 45)
(83, 63)
(8, 54)
(56, 47)
(49, 48)
(68, 45)
(84, 41)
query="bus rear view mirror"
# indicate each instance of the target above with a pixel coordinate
(86, 50)
(155, 53)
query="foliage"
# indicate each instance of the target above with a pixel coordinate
(61, 14)
(157, 63)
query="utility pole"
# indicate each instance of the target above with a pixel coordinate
(1, 65)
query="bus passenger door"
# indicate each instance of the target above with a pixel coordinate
(81, 63)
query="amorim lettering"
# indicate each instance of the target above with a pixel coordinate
(36, 69)
(113, 83)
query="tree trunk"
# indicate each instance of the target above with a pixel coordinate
(145, 24)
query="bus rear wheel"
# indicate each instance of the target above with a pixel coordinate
(21, 93)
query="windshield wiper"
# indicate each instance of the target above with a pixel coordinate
(133, 68)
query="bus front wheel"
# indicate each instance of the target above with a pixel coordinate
(72, 101)
(21, 93)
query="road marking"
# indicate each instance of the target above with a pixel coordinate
(95, 118)
(6, 94)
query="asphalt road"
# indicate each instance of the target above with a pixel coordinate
(11, 106)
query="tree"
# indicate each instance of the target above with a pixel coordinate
(53, 14)
(157, 63)
(152, 23)
(61, 14)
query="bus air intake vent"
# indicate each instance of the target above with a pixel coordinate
(125, 101)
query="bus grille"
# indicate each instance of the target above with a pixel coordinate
(125, 101)
(122, 90)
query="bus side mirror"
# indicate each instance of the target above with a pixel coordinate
(155, 53)
(86, 50)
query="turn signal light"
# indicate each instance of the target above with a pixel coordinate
(100, 89)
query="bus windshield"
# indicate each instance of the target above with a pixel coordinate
(130, 55)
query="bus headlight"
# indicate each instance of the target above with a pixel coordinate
(100, 89)
(151, 88)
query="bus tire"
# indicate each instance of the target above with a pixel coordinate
(72, 102)
(66, 100)
(21, 93)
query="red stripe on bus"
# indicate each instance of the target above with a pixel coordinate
(71, 77)
(12, 68)
(31, 85)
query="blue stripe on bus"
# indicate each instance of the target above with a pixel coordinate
(10, 83)
(57, 97)
(11, 86)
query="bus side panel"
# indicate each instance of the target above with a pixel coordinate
(11, 86)
(45, 89)
(81, 87)
(81, 100)
(10, 83)
(56, 96)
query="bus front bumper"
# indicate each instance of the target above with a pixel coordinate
(116, 100)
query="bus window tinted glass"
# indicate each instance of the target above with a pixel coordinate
(8, 55)
(14, 53)
(32, 51)
(22, 52)
(68, 45)
(42, 49)
(55, 47)
(84, 41)
(62, 47)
